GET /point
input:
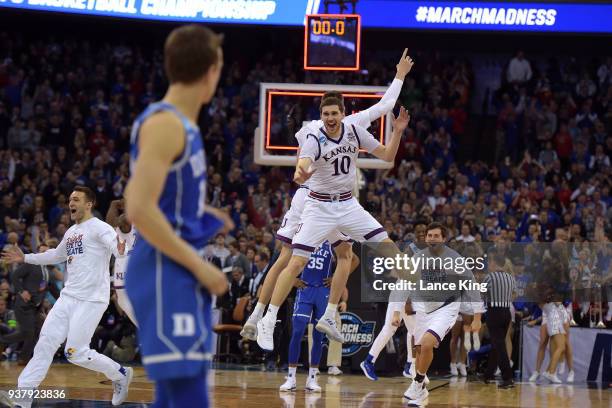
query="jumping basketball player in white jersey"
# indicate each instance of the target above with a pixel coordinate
(86, 247)
(292, 218)
(127, 234)
(328, 159)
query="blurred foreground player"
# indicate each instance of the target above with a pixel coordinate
(168, 282)
(86, 248)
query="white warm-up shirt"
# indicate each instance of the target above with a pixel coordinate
(86, 248)
(121, 261)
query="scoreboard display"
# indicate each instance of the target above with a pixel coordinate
(332, 42)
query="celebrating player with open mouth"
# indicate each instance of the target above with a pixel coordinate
(292, 219)
(86, 247)
(328, 158)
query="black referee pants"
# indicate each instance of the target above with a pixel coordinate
(498, 320)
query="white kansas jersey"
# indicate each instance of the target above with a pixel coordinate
(86, 248)
(335, 160)
(122, 260)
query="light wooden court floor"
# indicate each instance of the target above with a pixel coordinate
(242, 388)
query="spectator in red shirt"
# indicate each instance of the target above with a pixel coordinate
(563, 144)
(97, 141)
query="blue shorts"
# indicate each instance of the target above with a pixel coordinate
(311, 303)
(173, 313)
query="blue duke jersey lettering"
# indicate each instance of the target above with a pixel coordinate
(318, 267)
(184, 195)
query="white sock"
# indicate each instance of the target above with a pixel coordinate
(271, 314)
(453, 365)
(330, 310)
(292, 371)
(258, 311)
(312, 371)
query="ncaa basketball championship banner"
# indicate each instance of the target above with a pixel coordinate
(592, 350)
(278, 12)
(490, 16)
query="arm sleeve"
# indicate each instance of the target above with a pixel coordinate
(396, 306)
(109, 237)
(387, 102)
(311, 148)
(50, 256)
(366, 139)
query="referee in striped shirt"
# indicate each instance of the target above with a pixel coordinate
(500, 292)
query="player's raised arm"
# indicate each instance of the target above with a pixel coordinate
(52, 256)
(159, 145)
(387, 102)
(388, 152)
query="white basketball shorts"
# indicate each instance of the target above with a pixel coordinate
(292, 219)
(554, 318)
(438, 322)
(321, 219)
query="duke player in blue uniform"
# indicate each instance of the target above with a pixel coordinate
(310, 305)
(168, 282)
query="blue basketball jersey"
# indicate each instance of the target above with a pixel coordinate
(184, 194)
(172, 309)
(319, 266)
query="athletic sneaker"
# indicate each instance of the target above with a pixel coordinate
(328, 326)
(462, 369)
(7, 401)
(333, 370)
(534, 377)
(265, 334)
(498, 372)
(122, 386)
(289, 385)
(476, 345)
(467, 341)
(312, 385)
(453, 369)
(570, 377)
(368, 370)
(249, 330)
(416, 394)
(408, 370)
(551, 377)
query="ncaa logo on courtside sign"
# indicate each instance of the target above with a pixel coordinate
(356, 333)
